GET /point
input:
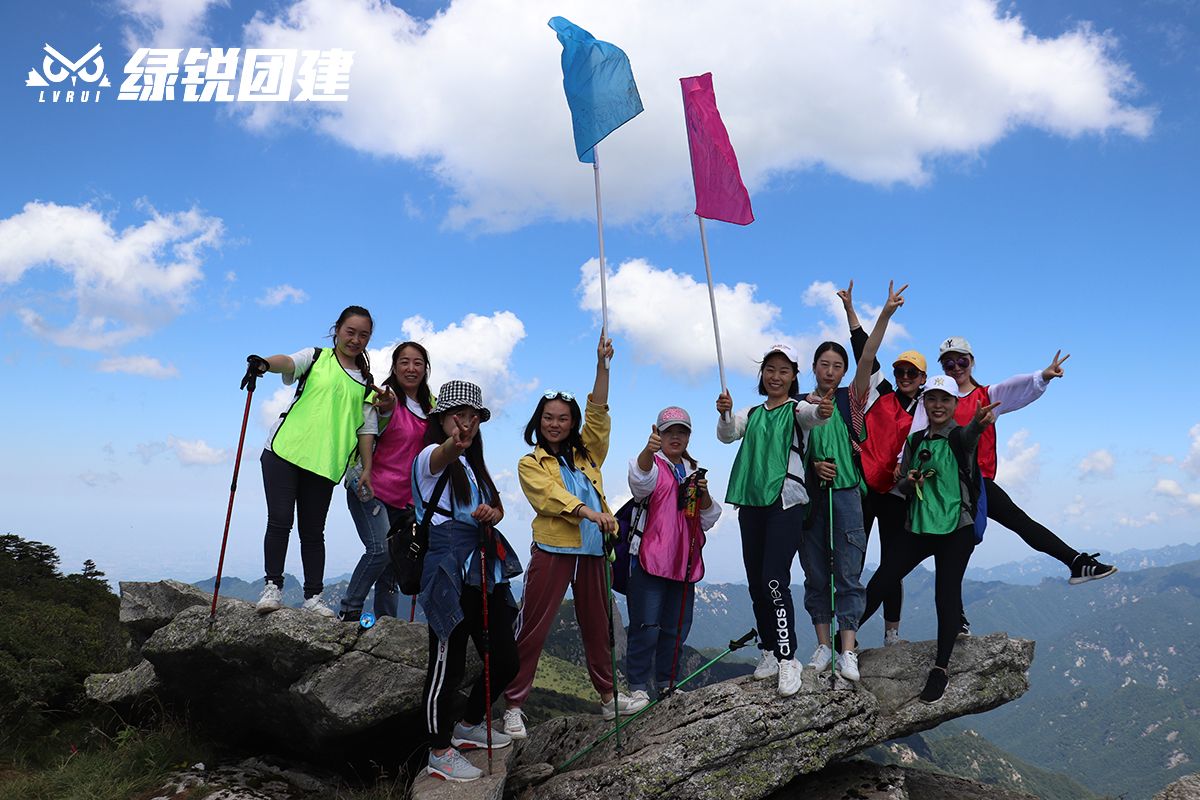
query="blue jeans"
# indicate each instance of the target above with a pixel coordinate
(373, 519)
(653, 625)
(849, 552)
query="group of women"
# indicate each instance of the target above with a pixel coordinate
(811, 473)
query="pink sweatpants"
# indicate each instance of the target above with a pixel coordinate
(546, 582)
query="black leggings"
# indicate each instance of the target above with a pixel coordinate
(448, 662)
(1002, 509)
(891, 512)
(294, 493)
(951, 552)
(770, 541)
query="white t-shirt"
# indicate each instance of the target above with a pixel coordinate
(427, 482)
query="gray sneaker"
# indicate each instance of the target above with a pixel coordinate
(271, 600)
(768, 666)
(452, 767)
(622, 704)
(514, 725)
(316, 605)
(476, 737)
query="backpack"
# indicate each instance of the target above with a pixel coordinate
(408, 541)
(630, 523)
(969, 474)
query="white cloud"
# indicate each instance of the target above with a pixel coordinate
(823, 294)
(876, 91)
(1191, 464)
(682, 342)
(1172, 489)
(278, 294)
(477, 349)
(1021, 464)
(165, 23)
(270, 408)
(1135, 522)
(97, 478)
(1076, 507)
(1097, 463)
(190, 452)
(138, 365)
(125, 284)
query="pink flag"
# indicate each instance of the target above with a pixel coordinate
(720, 193)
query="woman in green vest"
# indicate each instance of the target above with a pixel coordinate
(310, 445)
(941, 517)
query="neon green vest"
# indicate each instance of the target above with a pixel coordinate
(319, 432)
(762, 461)
(940, 507)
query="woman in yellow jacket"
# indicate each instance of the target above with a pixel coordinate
(562, 481)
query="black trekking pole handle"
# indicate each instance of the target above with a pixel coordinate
(256, 367)
(746, 640)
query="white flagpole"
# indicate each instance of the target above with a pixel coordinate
(712, 299)
(600, 229)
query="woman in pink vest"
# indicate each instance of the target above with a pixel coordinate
(387, 469)
(666, 558)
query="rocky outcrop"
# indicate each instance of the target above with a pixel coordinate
(1186, 788)
(863, 780)
(290, 671)
(739, 739)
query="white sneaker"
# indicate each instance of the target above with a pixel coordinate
(514, 724)
(789, 677)
(316, 605)
(820, 658)
(452, 767)
(768, 667)
(271, 600)
(638, 700)
(891, 637)
(475, 737)
(847, 665)
(622, 704)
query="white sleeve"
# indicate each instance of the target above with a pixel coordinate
(1017, 392)
(735, 428)
(303, 360)
(641, 484)
(806, 415)
(370, 420)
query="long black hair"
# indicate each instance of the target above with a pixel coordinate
(460, 484)
(362, 360)
(574, 440)
(423, 395)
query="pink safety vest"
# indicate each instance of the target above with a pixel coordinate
(664, 548)
(398, 446)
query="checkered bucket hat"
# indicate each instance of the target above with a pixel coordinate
(461, 393)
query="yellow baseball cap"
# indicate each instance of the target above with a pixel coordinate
(912, 357)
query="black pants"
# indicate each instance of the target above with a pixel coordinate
(890, 512)
(770, 542)
(951, 552)
(1002, 509)
(294, 493)
(448, 662)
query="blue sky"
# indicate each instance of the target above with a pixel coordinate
(1029, 169)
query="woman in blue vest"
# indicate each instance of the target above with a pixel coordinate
(311, 444)
(835, 484)
(451, 475)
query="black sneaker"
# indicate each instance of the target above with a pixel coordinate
(935, 686)
(964, 627)
(1086, 568)
(350, 616)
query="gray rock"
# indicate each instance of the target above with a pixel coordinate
(1186, 788)
(123, 688)
(739, 739)
(146, 607)
(866, 781)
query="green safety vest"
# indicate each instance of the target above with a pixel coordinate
(762, 461)
(831, 442)
(939, 510)
(319, 432)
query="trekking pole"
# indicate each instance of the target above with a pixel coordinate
(748, 639)
(691, 511)
(487, 644)
(256, 367)
(412, 613)
(832, 591)
(612, 644)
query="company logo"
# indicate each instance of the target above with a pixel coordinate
(206, 75)
(781, 620)
(56, 68)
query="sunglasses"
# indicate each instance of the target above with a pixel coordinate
(568, 396)
(949, 363)
(907, 372)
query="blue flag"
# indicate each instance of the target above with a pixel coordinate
(599, 85)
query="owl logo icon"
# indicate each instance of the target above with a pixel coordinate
(57, 68)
